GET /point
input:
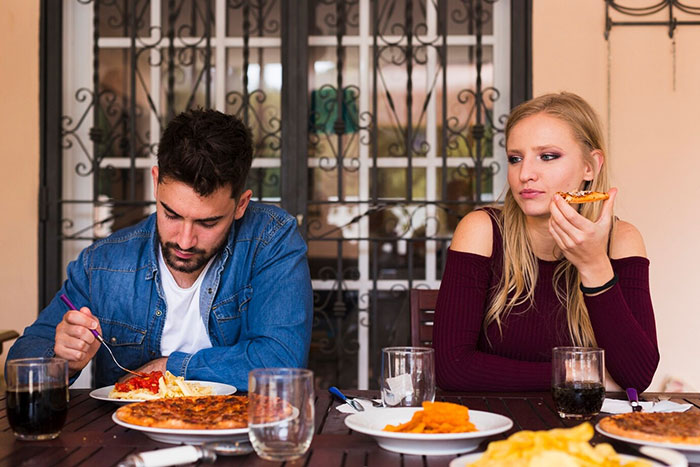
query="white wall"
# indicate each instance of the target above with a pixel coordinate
(19, 158)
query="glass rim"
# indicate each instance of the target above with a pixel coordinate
(408, 349)
(37, 361)
(577, 349)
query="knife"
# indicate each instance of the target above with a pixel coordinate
(634, 399)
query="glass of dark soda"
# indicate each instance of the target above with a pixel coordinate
(578, 381)
(37, 397)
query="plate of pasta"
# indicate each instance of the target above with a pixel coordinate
(157, 385)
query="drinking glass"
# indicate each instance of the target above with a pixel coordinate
(408, 376)
(281, 412)
(37, 397)
(578, 381)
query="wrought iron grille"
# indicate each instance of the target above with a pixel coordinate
(377, 123)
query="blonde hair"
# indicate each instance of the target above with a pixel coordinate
(517, 284)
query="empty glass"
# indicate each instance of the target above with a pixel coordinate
(408, 376)
(578, 381)
(37, 397)
(281, 412)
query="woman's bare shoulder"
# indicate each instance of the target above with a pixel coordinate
(474, 234)
(627, 241)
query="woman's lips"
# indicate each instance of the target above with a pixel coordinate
(530, 194)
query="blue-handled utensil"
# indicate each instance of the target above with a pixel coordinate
(70, 306)
(351, 402)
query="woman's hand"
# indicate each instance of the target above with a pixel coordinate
(583, 242)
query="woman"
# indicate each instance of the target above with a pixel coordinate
(541, 273)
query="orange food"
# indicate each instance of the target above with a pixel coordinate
(437, 417)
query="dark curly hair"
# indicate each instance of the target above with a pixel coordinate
(207, 150)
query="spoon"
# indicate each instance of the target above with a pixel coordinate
(352, 400)
(70, 305)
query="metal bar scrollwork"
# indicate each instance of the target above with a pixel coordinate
(642, 11)
(394, 132)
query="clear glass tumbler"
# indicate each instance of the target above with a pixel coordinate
(281, 412)
(37, 397)
(408, 376)
(578, 381)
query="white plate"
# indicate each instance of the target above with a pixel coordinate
(463, 461)
(371, 422)
(175, 436)
(690, 451)
(219, 389)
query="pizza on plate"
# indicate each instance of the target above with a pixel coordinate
(576, 197)
(200, 412)
(188, 413)
(660, 427)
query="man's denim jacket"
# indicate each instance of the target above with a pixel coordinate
(256, 301)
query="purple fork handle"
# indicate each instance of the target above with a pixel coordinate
(70, 305)
(634, 399)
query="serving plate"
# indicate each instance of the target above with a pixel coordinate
(371, 422)
(177, 436)
(690, 451)
(218, 389)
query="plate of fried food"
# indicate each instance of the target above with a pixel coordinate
(438, 428)
(158, 385)
(560, 447)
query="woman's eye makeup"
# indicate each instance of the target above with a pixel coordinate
(512, 159)
(549, 156)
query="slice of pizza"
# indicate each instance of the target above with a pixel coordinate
(575, 197)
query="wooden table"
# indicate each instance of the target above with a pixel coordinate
(90, 437)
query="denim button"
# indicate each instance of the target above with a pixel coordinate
(113, 340)
(158, 313)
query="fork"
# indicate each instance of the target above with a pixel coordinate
(70, 305)
(633, 399)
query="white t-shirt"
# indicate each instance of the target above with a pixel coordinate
(184, 329)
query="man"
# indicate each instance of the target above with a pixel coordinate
(209, 287)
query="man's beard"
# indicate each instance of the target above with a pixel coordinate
(195, 263)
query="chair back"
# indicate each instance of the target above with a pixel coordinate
(422, 303)
(6, 335)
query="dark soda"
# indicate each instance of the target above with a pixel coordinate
(578, 399)
(37, 414)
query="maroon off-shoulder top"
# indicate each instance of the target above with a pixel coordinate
(519, 359)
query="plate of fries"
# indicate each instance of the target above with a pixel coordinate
(435, 429)
(558, 447)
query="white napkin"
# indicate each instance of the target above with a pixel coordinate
(623, 406)
(346, 408)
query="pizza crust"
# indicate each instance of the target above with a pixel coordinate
(576, 197)
(662, 427)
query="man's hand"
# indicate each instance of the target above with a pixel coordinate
(74, 341)
(158, 364)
